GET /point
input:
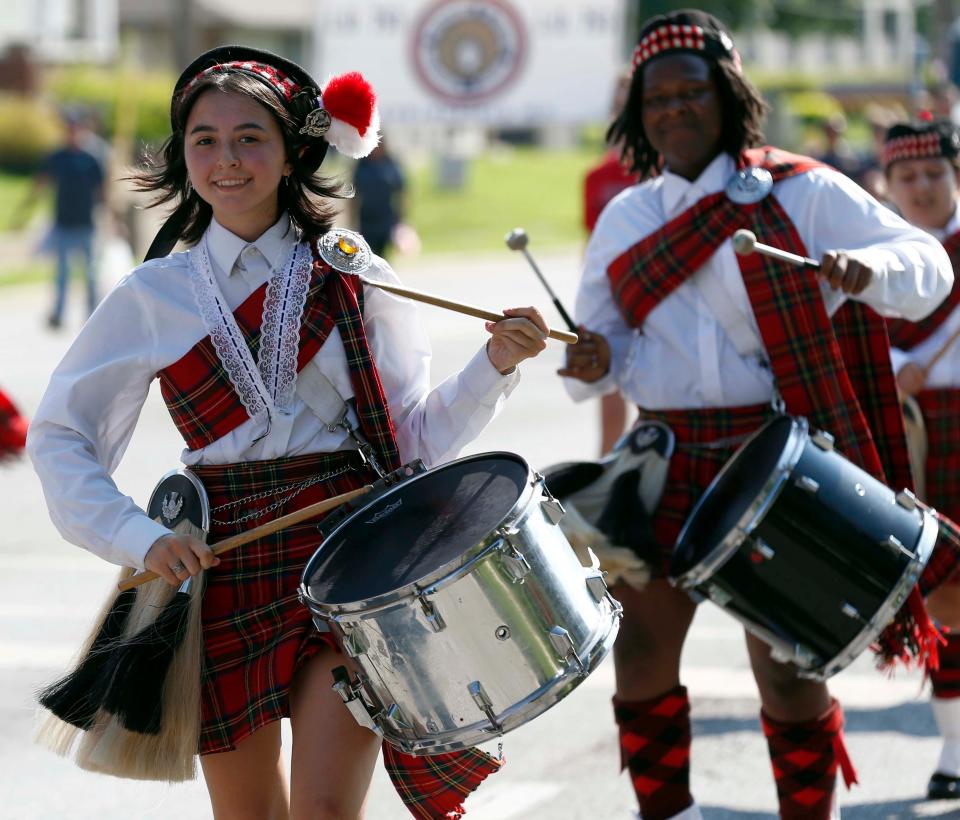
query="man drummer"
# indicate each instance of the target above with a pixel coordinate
(922, 171)
(710, 344)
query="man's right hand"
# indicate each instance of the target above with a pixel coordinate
(589, 359)
(911, 379)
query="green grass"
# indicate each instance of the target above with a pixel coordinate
(539, 190)
(13, 190)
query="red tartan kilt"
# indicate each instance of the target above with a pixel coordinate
(692, 469)
(941, 416)
(256, 631)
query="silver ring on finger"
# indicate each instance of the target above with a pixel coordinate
(178, 567)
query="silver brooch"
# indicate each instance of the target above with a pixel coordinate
(317, 123)
(345, 251)
(749, 185)
(171, 505)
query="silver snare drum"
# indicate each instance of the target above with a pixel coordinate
(460, 604)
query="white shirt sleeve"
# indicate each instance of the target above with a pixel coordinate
(912, 273)
(84, 424)
(436, 424)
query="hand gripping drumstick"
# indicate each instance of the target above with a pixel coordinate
(458, 307)
(517, 241)
(936, 357)
(745, 243)
(269, 528)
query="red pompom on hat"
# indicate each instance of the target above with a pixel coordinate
(355, 122)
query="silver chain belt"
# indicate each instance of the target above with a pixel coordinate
(293, 489)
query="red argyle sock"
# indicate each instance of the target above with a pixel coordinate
(946, 679)
(805, 758)
(655, 747)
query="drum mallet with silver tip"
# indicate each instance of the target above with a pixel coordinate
(517, 241)
(745, 243)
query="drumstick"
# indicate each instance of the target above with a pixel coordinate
(941, 352)
(517, 241)
(459, 307)
(745, 243)
(269, 528)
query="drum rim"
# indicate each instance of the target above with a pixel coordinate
(442, 575)
(888, 609)
(711, 563)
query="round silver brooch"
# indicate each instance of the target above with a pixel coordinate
(345, 251)
(749, 185)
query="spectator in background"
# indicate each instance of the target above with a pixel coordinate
(838, 153)
(77, 178)
(380, 189)
(601, 184)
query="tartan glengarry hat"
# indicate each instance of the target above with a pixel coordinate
(341, 113)
(920, 140)
(689, 30)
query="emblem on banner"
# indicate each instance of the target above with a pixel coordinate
(467, 50)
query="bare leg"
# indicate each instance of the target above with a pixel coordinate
(613, 420)
(333, 756)
(248, 783)
(785, 696)
(647, 651)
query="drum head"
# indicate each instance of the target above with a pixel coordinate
(416, 528)
(731, 494)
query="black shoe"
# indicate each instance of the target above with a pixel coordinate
(943, 787)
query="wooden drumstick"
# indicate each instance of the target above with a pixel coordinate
(269, 528)
(745, 243)
(459, 307)
(941, 352)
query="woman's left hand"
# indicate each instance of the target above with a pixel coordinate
(521, 335)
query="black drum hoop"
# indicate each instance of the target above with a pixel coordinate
(756, 510)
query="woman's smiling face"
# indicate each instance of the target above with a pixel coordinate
(236, 160)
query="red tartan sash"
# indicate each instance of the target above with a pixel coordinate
(204, 404)
(907, 335)
(820, 368)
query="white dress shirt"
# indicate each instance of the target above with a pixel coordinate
(683, 357)
(150, 320)
(946, 371)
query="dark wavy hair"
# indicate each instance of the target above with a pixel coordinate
(302, 195)
(742, 107)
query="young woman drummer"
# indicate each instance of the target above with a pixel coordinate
(921, 164)
(250, 333)
(708, 342)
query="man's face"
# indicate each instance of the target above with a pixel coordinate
(681, 112)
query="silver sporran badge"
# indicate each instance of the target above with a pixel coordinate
(749, 185)
(171, 505)
(345, 251)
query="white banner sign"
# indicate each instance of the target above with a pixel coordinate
(491, 62)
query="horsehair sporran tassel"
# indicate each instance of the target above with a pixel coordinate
(69, 708)
(168, 755)
(149, 722)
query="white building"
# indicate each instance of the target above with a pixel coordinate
(61, 31)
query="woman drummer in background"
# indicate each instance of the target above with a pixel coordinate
(921, 163)
(249, 132)
(709, 343)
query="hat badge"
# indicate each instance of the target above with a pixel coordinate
(317, 123)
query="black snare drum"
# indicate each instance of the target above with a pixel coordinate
(809, 551)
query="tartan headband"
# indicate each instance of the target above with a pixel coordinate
(669, 37)
(926, 141)
(275, 78)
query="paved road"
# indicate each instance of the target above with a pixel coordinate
(562, 766)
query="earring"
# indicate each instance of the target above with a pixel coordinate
(189, 187)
